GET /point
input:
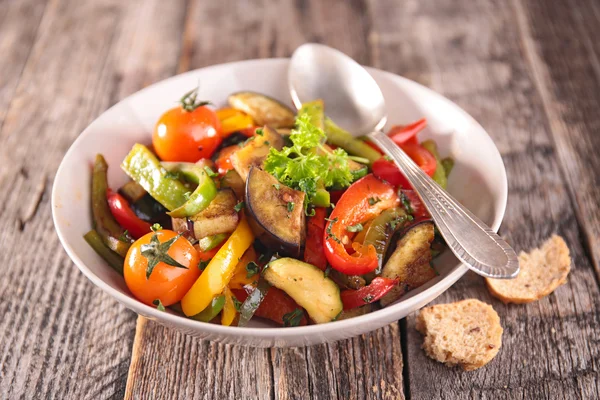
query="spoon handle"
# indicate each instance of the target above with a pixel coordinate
(472, 241)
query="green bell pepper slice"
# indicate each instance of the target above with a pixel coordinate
(144, 168)
(105, 224)
(112, 258)
(210, 242)
(204, 193)
(341, 138)
(213, 309)
(253, 301)
(440, 173)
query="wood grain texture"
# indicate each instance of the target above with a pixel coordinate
(342, 370)
(473, 52)
(61, 336)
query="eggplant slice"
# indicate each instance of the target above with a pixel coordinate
(409, 263)
(219, 217)
(255, 151)
(275, 212)
(264, 110)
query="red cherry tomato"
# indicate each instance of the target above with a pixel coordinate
(182, 135)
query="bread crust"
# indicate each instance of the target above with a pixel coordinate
(542, 271)
(466, 333)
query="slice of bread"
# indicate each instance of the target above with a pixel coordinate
(542, 271)
(466, 333)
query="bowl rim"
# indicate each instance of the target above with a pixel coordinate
(386, 313)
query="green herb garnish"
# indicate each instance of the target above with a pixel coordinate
(251, 269)
(125, 237)
(202, 265)
(290, 206)
(293, 318)
(239, 206)
(331, 235)
(159, 305)
(300, 167)
(355, 228)
(374, 200)
(156, 227)
(368, 298)
(210, 172)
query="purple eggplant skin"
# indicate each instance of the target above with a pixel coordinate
(275, 213)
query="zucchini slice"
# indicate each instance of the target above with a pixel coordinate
(277, 211)
(308, 286)
(264, 110)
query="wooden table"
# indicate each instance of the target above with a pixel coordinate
(528, 70)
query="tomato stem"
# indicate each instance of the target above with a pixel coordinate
(188, 101)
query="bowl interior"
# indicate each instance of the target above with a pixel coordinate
(478, 179)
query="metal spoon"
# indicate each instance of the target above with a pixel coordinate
(355, 102)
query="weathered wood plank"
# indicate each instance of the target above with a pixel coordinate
(562, 47)
(473, 53)
(60, 336)
(19, 23)
(364, 367)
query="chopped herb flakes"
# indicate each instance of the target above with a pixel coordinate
(251, 269)
(355, 228)
(239, 206)
(290, 206)
(210, 172)
(293, 318)
(159, 305)
(368, 298)
(202, 265)
(374, 200)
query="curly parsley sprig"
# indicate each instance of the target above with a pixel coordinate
(301, 166)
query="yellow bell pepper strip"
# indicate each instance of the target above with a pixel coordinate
(105, 224)
(204, 193)
(440, 173)
(229, 312)
(210, 312)
(112, 258)
(228, 112)
(144, 168)
(235, 124)
(243, 275)
(219, 270)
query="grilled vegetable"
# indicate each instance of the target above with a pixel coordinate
(440, 173)
(219, 217)
(213, 309)
(278, 210)
(308, 286)
(275, 305)
(219, 271)
(112, 258)
(132, 191)
(355, 312)
(254, 152)
(253, 302)
(234, 181)
(378, 288)
(208, 243)
(104, 223)
(264, 110)
(120, 209)
(343, 139)
(409, 263)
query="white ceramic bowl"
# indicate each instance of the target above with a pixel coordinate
(478, 181)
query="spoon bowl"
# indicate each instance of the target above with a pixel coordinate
(353, 98)
(355, 102)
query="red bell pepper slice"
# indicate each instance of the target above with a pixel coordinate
(402, 134)
(314, 252)
(416, 205)
(378, 288)
(274, 306)
(364, 199)
(120, 209)
(389, 172)
(223, 162)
